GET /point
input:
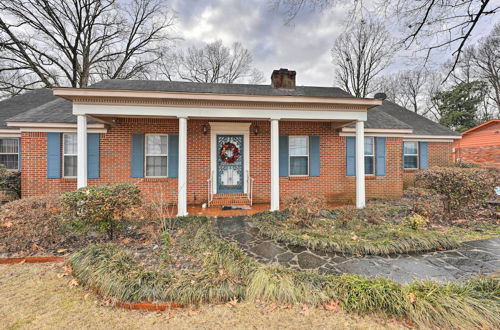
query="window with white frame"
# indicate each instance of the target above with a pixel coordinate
(369, 155)
(70, 151)
(156, 155)
(410, 155)
(9, 153)
(298, 147)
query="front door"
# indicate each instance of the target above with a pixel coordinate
(230, 171)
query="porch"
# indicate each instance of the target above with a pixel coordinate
(208, 117)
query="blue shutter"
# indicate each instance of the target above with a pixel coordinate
(283, 155)
(173, 155)
(93, 155)
(380, 156)
(424, 155)
(19, 154)
(137, 156)
(350, 156)
(53, 155)
(314, 156)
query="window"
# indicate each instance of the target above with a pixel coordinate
(299, 155)
(410, 155)
(70, 151)
(369, 155)
(156, 155)
(9, 153)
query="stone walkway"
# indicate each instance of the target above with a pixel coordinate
(477, 257)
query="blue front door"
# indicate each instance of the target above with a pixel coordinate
(230, 171)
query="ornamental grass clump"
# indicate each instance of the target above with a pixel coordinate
(100, 206)
(228, 273)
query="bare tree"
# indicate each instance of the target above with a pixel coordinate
(406, 88)
(486, 63)
(360, 54)
(437, 24)
(212, 63)
(72, 43)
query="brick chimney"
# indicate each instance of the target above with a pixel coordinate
(283, 78)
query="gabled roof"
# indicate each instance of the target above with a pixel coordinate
(56, 111)
(420, 124)
(23, 102)
(481, 125)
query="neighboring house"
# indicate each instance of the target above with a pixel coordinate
(480, 145)
(193, 143)
(9, 136)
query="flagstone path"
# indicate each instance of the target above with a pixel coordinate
(471, 258)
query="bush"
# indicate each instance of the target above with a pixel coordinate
(10, 181)
(424, 202)
(303, 208)
(31, 224)
(100, 206)
(415, 222)
(461, 189)
(466, 165)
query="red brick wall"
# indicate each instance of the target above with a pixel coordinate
(487, 156)
(440, 154)
(115, 149)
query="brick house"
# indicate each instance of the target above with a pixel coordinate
(480, 145)
(194, 143)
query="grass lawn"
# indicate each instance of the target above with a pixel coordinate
(35, 296)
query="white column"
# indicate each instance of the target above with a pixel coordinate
(275, 166)
(81, 132)
(360, 164)
(182, 177)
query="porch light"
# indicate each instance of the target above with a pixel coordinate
(205, 129)
(256, 130)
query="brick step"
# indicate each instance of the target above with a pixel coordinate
(230, 199)
(228, 202)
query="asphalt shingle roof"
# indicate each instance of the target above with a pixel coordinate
(21, 103)
(388, 115)
(420, 124)
(243, 89)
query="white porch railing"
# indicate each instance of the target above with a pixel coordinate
(250, 187)
(210, 188)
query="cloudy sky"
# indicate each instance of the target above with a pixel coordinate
(304, 47)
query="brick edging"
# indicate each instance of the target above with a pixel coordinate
(30, 260)
(147, 306)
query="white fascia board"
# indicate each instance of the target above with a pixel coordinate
(176, 112)
(410, 137)
(42, 125)
(61, 130)
(380, 130)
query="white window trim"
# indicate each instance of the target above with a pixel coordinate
(417, 154)
(372, 156)
(65, 154)
(290, 156)
(12, 153)
(153, 155)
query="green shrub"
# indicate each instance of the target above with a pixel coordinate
(303, 208)
(10, 181)
(466, 165)
(100, 206)
(461, 189)
(415, 221)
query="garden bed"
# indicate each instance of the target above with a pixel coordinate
(227, 274)
(334, 233)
